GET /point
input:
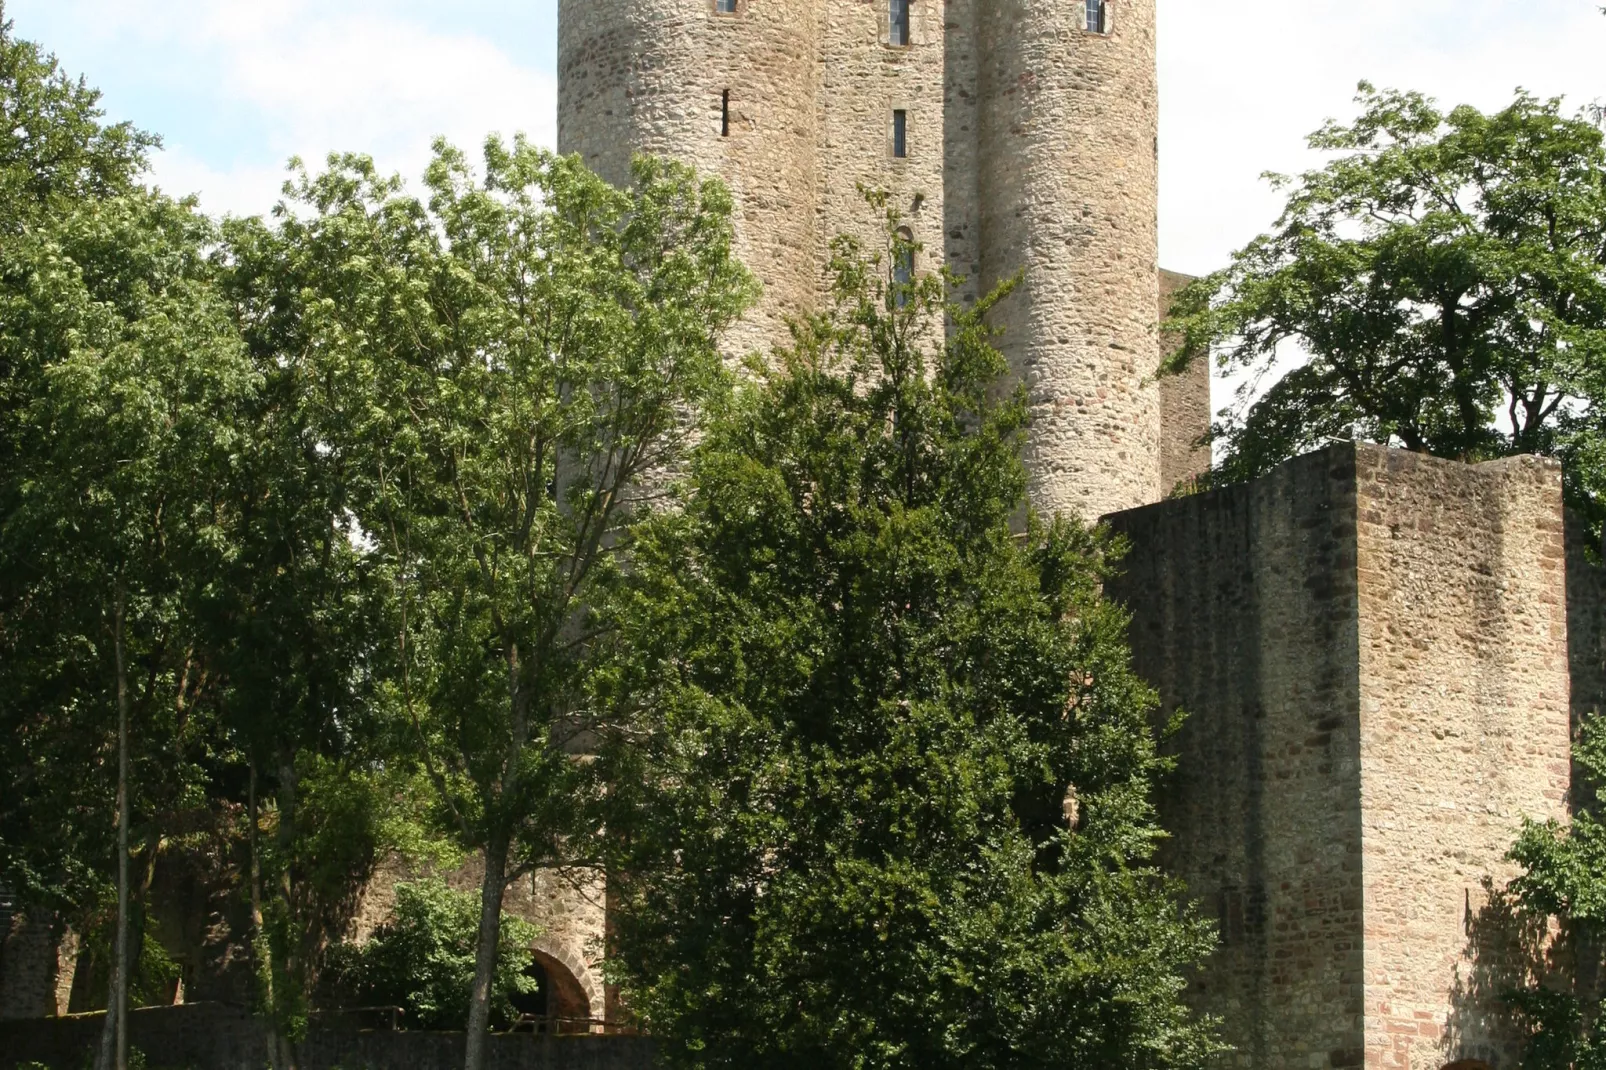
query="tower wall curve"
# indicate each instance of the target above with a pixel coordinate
(652, 76)
(1069, 194)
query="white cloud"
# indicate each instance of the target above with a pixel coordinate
(308, 79)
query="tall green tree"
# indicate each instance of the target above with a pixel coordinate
(882, 785)
(512, 363)
(1445, 275)
(118, 441)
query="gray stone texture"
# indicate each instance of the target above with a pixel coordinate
(1032, 147)
(1372, 649)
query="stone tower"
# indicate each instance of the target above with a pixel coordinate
(1028, 135)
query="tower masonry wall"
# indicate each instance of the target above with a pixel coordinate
(1032, 148)
(650, 77)
(1070, 180)
(1372, 648)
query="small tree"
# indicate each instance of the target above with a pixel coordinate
(1445, 274)
(509, 367)
(884, 800)
(1564, 878)
(423, 959)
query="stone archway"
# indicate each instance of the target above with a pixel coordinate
(574, 991)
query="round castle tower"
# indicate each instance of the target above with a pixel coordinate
(1069, 192)
(731, 93)
(1031, 145)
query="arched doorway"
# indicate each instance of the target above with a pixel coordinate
(559, 1004)
(1468, 1064)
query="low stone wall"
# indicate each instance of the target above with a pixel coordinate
(217, 1037)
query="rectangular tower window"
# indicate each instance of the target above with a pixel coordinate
(898, 22)
(725, 7)
(1098, 16)
(725, 114)
(900, 134)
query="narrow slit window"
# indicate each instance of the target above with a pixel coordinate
(1098, 16)
(903, 267)
(725, 7)
(898, 22)
(725, 114)
(900, 134)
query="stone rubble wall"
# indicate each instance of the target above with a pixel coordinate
(1244, 616)
(1372, 647)
(1069, 146)
(38, 958)
(1464, 732)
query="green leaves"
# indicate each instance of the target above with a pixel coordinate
(855, 700)
(1446, 274)
(422, 960)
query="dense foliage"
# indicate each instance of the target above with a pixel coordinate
(422, 960)
(1445, 275)
(863, 698)
(1564, 879)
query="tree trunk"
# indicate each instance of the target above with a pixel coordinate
(114, 1033)
(288, 960)
(261, 953)
(490, 942)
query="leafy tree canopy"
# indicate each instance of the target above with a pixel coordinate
(860, 699)
(1446, 274)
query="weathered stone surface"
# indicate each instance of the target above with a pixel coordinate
(1372, 647)
(1032, 146)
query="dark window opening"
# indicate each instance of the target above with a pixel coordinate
(900, 134)
(725, 7)
(898, 22)
(903, 267)
(1098, 16)
(725, 114)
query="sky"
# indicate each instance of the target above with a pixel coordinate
(237, 87)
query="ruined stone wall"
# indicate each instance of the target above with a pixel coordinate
(1373, 650)
(1184, 404)
(1244, 606)
(1464, 732)
(38, 958)
(649, 76)
(1069, 178)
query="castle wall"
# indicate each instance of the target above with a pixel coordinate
(649, 76)
(961, 148)
(38, 959)
(863, 79)
(1464, 731)
(1372, 648)
(1069, 178)
(1244, 615)
(1184, 404)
